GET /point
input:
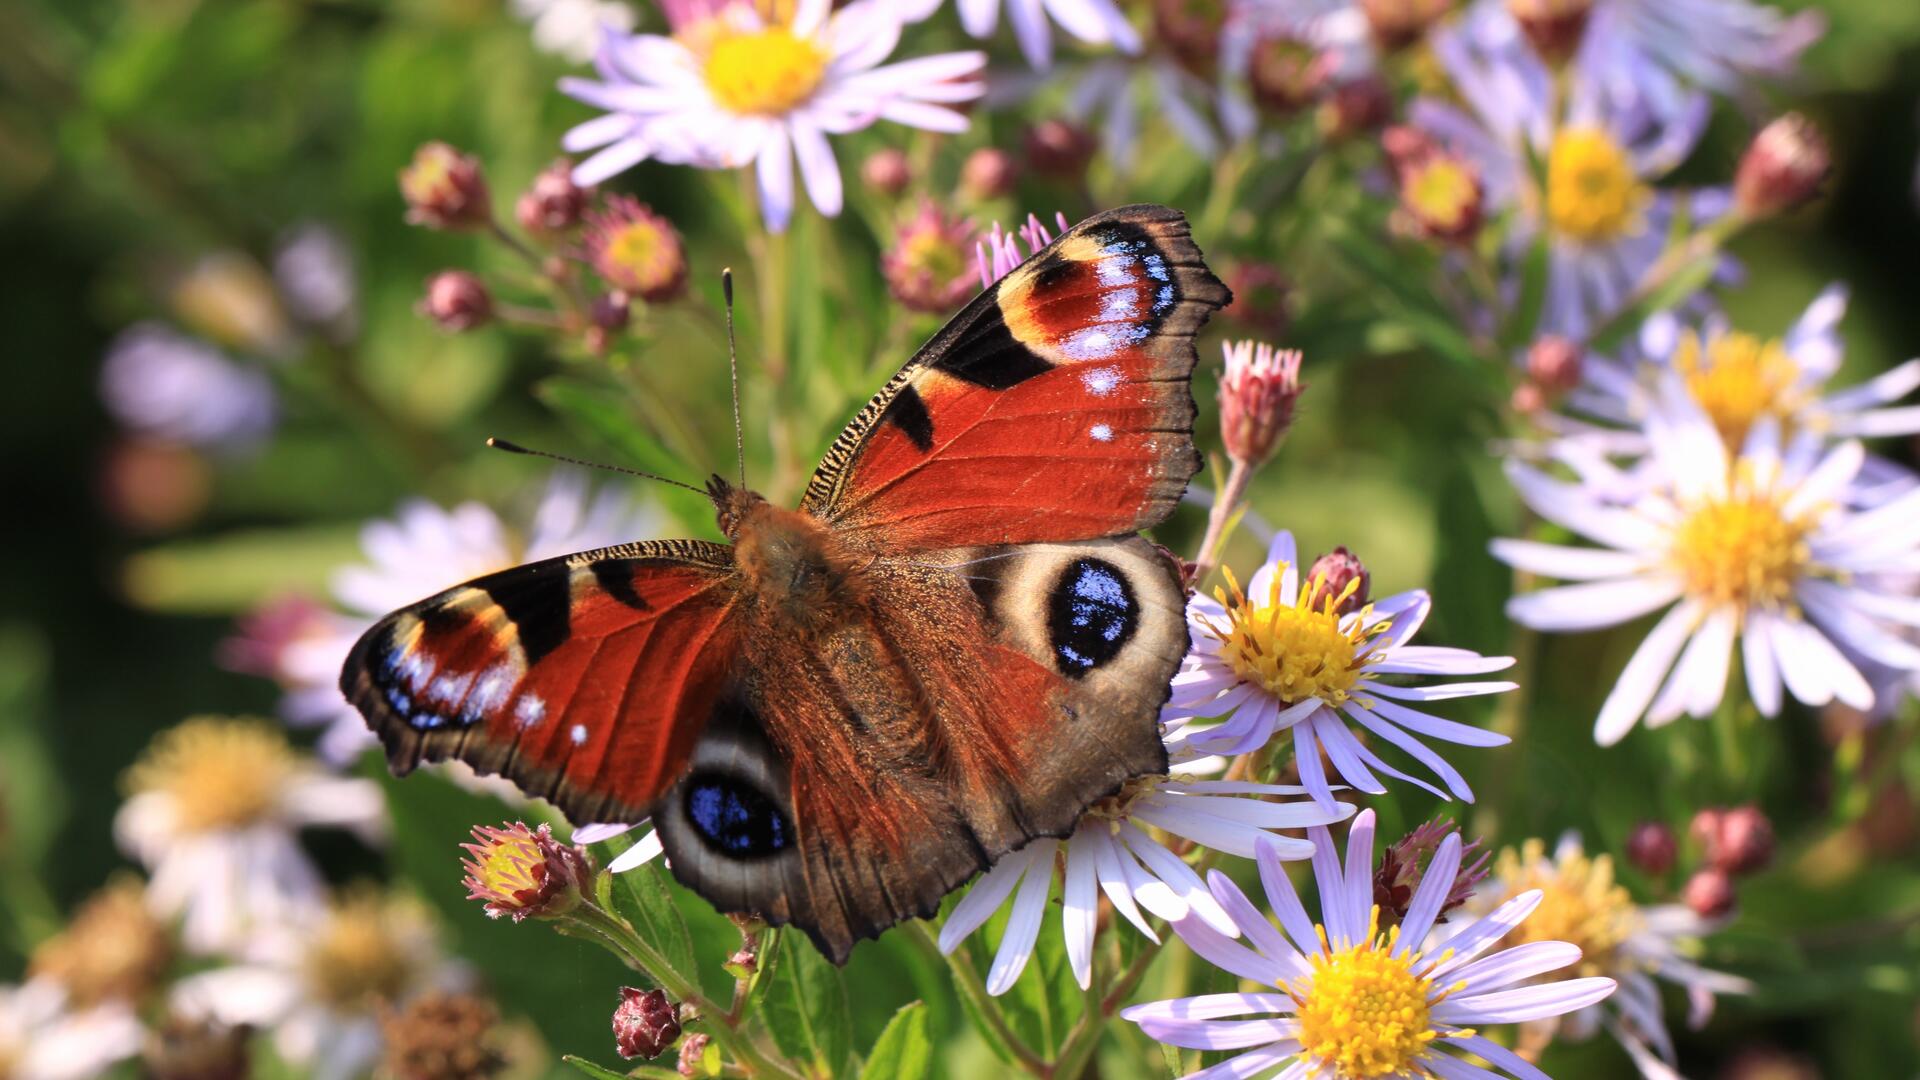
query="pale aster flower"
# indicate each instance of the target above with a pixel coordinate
(41, 1038)
(321, 984)
(571, 29)
(1652, 53)
(1759, 550)
(1113, 851)
(1115, 96)
(214, 817)
(1638, 946)
(732, 89)
(1095, 22)
(420, 551)
(313, 269)
(1281, 658)
(1333, 972)
(162, 383)
(1604, 224)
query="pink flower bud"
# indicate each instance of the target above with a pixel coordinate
(886, 171)
(1744, 842)
(1709, 893)
(989, 173)
(520, 872)
(553, 203)
(1553, 27)
(457, 300)
(1258, 390)
(1651, 847)
(445, 189)
(1286, 73)
(694, 1058)
(1060, 149)
(1329, 577)
(1553, 364)
(645, 1024)
(928, 268)
(636, 250)
(1355, 107)
(1783, 167)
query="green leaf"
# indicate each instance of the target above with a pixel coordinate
(904, 1048)
(236, 571)
(641, 895)
(604, 415)
(600, 1072)
(806, 1009)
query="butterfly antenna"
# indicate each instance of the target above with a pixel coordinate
(516, 448)
(733, 371)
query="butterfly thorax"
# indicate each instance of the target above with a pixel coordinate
(792, 564)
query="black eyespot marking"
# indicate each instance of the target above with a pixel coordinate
(734, 816)
(1090, 615)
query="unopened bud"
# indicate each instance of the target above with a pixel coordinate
(1258, 391)
(1651, 847)
(1553, 363)
(553, 203)
(457, 300)
(1332, 575)
(1397, 24)
(1286, 73)
(1397, 878)
(1744, 843)
(1709, 893)
(445, 189)
(1527, 399)
(928, 268)
(520, 872)
(1190, 30)
(886, 171)
(1355, 107)
(1060, 149)
(698, 1056)
(989, 173)
(1553, 27)
(645, 1024)
(1783, 167)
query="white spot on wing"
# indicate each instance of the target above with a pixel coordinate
(530, 711)
(578, 734)
(1101, 433)
(1101, 381)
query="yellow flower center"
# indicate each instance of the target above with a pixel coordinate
(1593, 195)
(1580, 903)
(764, 72)
(1444, 193)
(218, 773)
(1742, 552)
(1295, 651)
(1365, 1012)
(359, 960)
(506, 867)
(114, 950)
(1737, 379)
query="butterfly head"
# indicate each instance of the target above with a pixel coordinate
(733, 505)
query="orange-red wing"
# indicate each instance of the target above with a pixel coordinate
(1056, 406)
(586, 679)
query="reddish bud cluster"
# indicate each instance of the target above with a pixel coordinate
(886, 171)
(1397, 878)
(1737, 840)
(989, 173)
(445, 189)
(552, 203)
(645, 1024)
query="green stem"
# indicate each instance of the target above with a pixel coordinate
(1084, 1039)
(975, 991)
(1225, 508)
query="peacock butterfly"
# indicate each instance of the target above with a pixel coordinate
(956, 644)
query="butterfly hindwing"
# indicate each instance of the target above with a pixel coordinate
(1055, 407)
(573, 676)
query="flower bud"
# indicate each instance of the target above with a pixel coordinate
(1440, 192)
(928, 268)
(520, 872)
(1553, 364)
(1398, 876)
(989, 173)
(1744, 841)
(1190, 30)
(1261, 293)
(1527, 399)
(1652, 847)
(1286, 73)
(1709, 893)
(1331, 575)
(1060, 149)
(606, 316)
(1397, 24)
(1783, 167)
(637, 250)
(442, 1036)
(645, 1024)
(698, 1057)
(457, 300)
(445, 189)
(886, 171)
(1553, 27)
(1356, 106)
(1258, 390)
(553, 203)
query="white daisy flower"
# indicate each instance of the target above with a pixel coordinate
(1114, 850)
(1637, 946)
(1095, 22)
(420, 551)
(571, 29)
(41, 1038)
(320, 984)
(732, 88)
(1354, 1002)
(1653, 52)
(1759, 550)
(1296, 656)
(213, 816)
(1603, 222)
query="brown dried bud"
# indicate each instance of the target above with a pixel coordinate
(887, 171)
(553, 203)
(1397, 878)
(195, 1049)
(1060, 149)
(1709, 893)
(520, 872)
(1258, 391)
(442, 1036)
(636, 250)
(989, 173)
(1553, 27)
(1261, 296)
(1330, 576)
(1286, 74)
(1355, 107)
(1652, 847)
(1785, 166)
(1553, 364)
(1397, 24)
(445, 189)
(457, 300)
(645, 1024)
